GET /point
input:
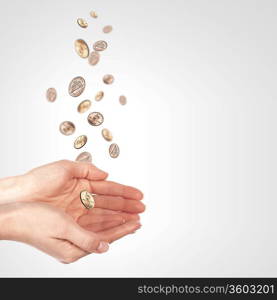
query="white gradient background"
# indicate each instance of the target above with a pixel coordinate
(198, 135)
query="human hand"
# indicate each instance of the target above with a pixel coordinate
(60, 183)
(54, 232)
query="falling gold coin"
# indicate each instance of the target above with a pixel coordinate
(80, 141)
(107, 135)
(67, 128)
(114, 150)
(81, 48)
(51, 94)
(84, 106)
(87, 199)
(107, 29)
(95, 118)
(122, 100)
(93, 14)
(108, 79)
(76, 86)
(100, 46)
(93, 58)
(82, 23)
(84, 157)
(99, 96)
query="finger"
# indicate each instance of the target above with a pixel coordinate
(96, 227)
(119, 204)
(129, 217)
(84, 239)
(118, 232)
(101, 211)
(90, 219)
(84, 170)
(116, 189)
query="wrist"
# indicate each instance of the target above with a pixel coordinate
(8, 222)
(13, 189)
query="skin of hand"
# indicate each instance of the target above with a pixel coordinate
(54, 232)
(60, 184)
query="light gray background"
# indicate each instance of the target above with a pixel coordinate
(198, 135)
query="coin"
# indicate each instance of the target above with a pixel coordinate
(51, 94)
(81, 48)
(95, 118)
(76, 86)
(67, 128)
(93, 14)
(87, 199)
(108, 79)
(84, 106)
(93, 58)
(80, 141)
(107, 135)
(99, 96)
(84, 157)
(122, 100)
(107, 29)
(114, 150)
(82, 23)
(100, 45)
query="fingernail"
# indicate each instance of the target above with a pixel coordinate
(103, 247)
(138, 223)
(103, 172)
(138, 226)
(136, 230)
(123, 221)
(139, 195)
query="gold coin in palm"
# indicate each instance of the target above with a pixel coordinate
(87, 199)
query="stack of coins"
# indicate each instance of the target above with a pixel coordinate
(76, 88)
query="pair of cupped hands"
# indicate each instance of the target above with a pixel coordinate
(42, 208)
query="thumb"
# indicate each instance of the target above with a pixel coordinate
(85, 170)
(84, 239)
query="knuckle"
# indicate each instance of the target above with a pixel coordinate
(124, 189)
(91, 244)
(69, 259)
(64, 161)
(126, 205)
(70, 255)
(108, 202)
(64, 166)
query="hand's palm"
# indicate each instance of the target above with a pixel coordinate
(60, 184)
(55, 184)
